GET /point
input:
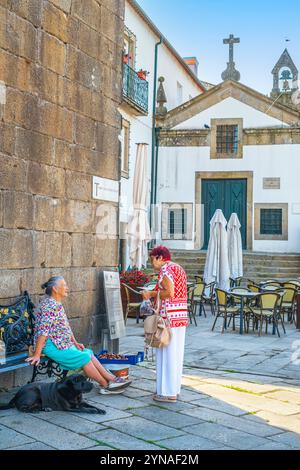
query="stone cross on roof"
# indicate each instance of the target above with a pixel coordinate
(231, 73)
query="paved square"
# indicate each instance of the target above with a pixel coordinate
(238, 393)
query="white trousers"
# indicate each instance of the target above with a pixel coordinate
(169, 365)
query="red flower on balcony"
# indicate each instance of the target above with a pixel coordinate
(143, 74)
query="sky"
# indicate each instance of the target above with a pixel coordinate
(198, 27)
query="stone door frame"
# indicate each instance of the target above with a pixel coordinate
(208, 175)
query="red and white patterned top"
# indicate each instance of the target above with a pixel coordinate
(175, 308)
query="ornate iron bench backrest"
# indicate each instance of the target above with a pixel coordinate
(16, 325)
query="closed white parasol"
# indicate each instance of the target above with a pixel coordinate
(138, 230)
(217, 265)
(235, 250)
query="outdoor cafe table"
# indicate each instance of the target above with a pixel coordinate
(243, 295)
(251, 295)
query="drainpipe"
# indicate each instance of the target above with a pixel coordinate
(157, 132)
(153, 156)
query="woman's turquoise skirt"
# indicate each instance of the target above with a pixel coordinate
(68, 359)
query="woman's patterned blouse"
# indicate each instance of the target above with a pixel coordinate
(175, 308)
(51, 321)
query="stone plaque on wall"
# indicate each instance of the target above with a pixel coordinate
(113, 303)
(271, 183)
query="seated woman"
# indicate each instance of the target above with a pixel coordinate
(54, 338)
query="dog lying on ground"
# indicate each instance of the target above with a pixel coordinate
(57, 396)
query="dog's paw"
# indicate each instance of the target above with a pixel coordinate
(98, 411)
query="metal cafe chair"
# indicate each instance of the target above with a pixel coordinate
(223, 309)
(130, 304)
(235, 282)
(209, 296)
(273, 282)
(191, 304)
(268, 311)
(288, 302)
(197, 294)
(292, 284)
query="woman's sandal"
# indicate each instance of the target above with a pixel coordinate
(115, 387)
(118, 384)
(164, 399)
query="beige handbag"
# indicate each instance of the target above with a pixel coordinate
(157, 329)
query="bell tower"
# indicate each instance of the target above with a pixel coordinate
(285, 79)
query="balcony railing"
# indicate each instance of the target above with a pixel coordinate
(135, 89)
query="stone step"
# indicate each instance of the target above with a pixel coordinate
(281, 262)
(257, 265)
(252, 275)
(246, 255)
(191, 264)
(247, 259)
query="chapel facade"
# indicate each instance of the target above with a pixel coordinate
(235, 149)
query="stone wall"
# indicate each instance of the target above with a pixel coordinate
(60, 87)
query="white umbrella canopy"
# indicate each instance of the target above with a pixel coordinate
(235, 249)
(217, 265)
(138, 230)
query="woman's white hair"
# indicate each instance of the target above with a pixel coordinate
(52, 282)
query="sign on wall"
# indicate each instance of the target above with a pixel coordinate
(113, 302)
(105, 189)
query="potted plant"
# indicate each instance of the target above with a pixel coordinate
(126, 58)
(142, 74)
(133, 278)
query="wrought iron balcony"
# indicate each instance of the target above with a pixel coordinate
(135, 90)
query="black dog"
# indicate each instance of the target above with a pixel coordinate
(57, 396)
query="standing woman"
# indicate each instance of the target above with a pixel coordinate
(172, 288)
(54, 337)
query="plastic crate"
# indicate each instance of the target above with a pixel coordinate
(130, 358)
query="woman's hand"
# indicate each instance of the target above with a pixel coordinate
(146, 294)
(35, 359)
(79, 346)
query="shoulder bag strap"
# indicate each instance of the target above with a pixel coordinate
(157, 309)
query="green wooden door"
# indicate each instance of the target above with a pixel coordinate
(230, 196)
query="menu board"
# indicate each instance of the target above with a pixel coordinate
(113, 302)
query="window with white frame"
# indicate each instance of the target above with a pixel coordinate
(129, 48)
(177, 221)
(125, 148)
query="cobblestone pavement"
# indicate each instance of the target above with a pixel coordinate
(238, 393)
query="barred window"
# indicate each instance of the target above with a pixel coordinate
(177, 222)
(227, 139)
(271, 221)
